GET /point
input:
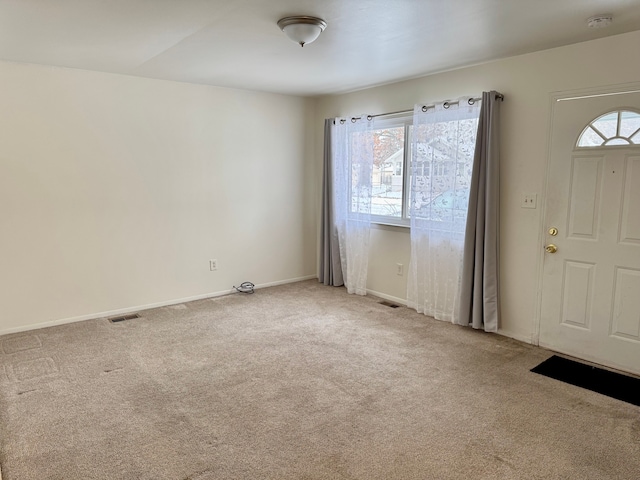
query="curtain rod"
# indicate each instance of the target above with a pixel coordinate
(471, 101)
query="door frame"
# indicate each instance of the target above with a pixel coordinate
(554, 97)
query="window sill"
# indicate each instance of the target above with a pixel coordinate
(383, 225)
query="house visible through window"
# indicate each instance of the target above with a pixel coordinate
(389, 142)
(442, 171)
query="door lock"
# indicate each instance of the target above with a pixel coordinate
(553, 231)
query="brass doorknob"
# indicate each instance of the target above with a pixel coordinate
(551, 248)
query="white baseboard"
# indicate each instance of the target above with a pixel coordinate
(398, 300)
(283, 282)
(516, 336)
(138, 308)
(401, 301)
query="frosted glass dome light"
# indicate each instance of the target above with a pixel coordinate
(302, 29)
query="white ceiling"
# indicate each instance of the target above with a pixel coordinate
(236, 43)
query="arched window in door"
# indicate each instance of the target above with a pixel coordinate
(620, 127)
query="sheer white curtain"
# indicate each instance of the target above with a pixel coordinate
(352, 175)
(443, 142)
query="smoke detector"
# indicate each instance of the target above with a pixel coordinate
(600, 21)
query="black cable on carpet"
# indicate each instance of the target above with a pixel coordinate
(611, 384)
(245, 287)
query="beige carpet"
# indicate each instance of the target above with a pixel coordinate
(300, 381)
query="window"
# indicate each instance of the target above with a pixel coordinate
(440, 176)
(389, 182)
(390, 141)
(621, 127)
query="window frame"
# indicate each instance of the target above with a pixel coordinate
(606, 139)
(404, 120)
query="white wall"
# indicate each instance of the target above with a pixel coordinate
(115, 192)
(527, 82)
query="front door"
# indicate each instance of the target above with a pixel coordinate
(590, 306)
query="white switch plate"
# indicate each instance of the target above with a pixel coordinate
(399, 269)
(529, 200)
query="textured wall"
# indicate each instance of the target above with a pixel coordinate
(527, 82)
(115, 192)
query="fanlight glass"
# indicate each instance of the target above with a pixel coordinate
(620, 127)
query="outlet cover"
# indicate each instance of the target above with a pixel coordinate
(529, 200)
(213, 265)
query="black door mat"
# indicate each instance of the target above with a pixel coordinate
(611, 384)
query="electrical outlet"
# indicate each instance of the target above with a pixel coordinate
(213, 265)
(529, 200)
(399, 269)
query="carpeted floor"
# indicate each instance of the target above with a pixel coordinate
(300, 381)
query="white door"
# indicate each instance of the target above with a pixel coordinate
(590, 306)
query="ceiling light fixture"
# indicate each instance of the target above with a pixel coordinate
(302, 29)
(600, 21)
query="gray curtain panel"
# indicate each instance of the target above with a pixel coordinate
(479, 290)
(330, 269)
